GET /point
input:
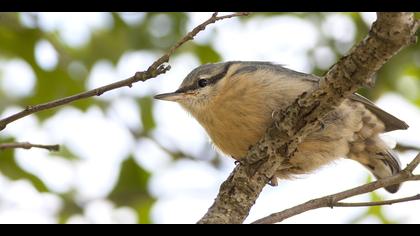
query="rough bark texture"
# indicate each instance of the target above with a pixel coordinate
(388, 35)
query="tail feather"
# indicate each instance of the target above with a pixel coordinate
(379, 160)
(388, 165)
(368, 148)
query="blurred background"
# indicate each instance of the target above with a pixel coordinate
(126, 158)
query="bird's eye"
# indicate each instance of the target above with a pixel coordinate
(202, 82)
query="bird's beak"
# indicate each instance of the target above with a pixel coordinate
(173, 97)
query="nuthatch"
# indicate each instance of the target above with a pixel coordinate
(234, 102)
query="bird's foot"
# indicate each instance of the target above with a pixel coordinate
(237, 161)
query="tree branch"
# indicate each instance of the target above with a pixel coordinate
(404, 147)
(26, 145)
(388, 35)
(413, 165)
(379, 203)
(158, 67)
(332, 200)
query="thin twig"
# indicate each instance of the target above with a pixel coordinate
(332, 200)
(378, 203)
(415, 177)
(26, 145)
(413, 165)
(158, 67)
(191, 36)
(402, 148)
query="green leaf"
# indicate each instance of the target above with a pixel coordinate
(207, 54)
(69, 208)
(143, 210)
(131, 190)
(131, 183)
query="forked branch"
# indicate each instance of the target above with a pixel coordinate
(334, 199)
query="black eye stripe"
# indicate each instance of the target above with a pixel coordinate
(210, 81)
(219, 76)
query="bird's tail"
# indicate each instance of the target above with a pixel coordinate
(378, 158)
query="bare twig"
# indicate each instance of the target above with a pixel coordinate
(332, 200)
(412, 165)
(403, 147)
(158, 67)
(378, 203)
(388, 35)
(26, 145)
(191, 36)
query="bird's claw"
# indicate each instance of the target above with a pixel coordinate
(237, 161)
(273, 181)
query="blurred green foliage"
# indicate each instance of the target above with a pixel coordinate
(131, 189)
(18, 41)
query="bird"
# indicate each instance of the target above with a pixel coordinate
(234, 102)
